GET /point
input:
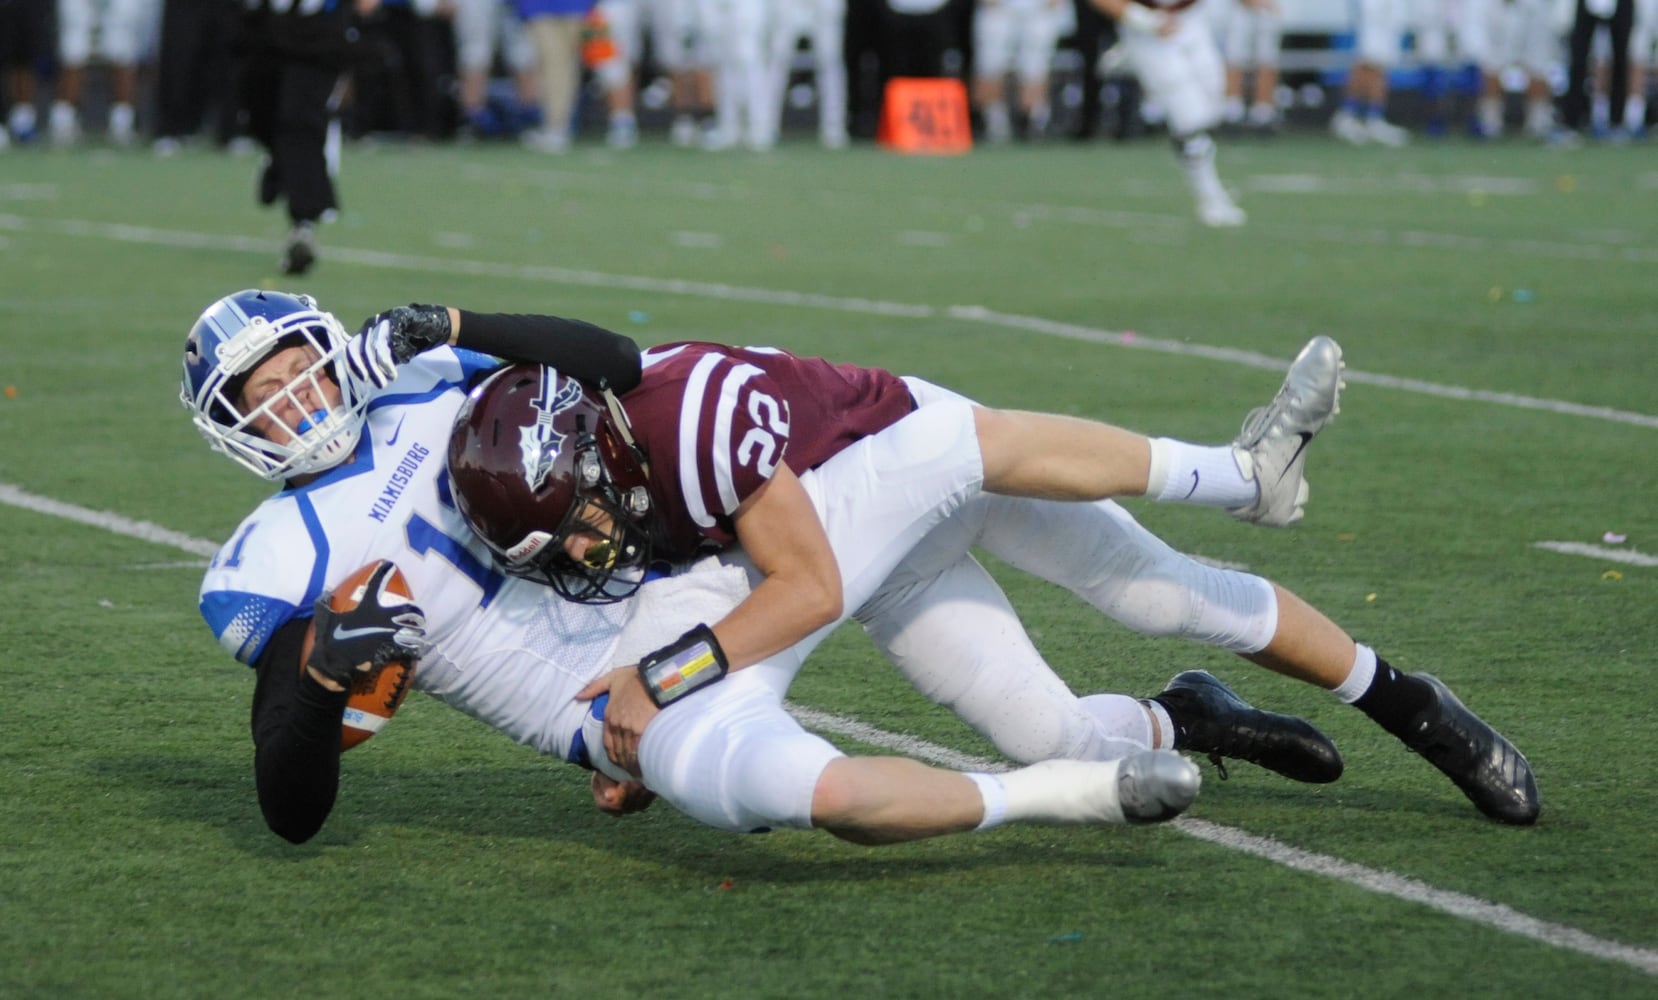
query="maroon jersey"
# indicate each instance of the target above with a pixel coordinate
(716, 421)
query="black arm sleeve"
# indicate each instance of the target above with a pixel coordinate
(578, 349)
(296, 739)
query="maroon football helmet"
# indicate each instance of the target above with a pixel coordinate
(533, 458)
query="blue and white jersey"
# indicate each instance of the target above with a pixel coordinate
(506, 651)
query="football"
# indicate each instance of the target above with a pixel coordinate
(376, 696)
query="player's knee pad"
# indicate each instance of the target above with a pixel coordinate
(1186, 599)
(955, 638)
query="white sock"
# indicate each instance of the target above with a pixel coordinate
(1063, 791)
(1360, 677)
(1197, 160)
(995, 799)
(1200, 474)
(998, 125)
(1539, 116)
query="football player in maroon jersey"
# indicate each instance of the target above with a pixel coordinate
(705, 451)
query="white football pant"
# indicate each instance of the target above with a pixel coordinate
(736, 31)
(1017, 37)
(1181, 72)
(952, 633)
(123, 32)
(823, 24)
(730, 756)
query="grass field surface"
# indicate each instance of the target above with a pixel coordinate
(1482, 510)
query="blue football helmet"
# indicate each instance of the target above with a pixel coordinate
(309, 424)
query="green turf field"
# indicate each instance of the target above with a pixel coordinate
(1499, 311)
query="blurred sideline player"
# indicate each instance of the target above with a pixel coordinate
(736, 43)
(1017, 37)
(26, 45)
(121, 33)
(823, 24)
(1606, 25)
(1641, 39)
(1252, 37)
(615, 61)
(1174, 55)
(1441, 28)
(1377, 43)
(1522, 35)
(1643, 49)
(679, 45)
(280, 388)
(484, 28)
(555, 30)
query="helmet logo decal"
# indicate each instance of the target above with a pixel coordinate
(541, 443)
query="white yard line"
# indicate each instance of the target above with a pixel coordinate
(1628, 557)
(14, 497)
(739, 293)
(1470, 908)
(1456, 904)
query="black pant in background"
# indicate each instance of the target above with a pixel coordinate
(287, 105)
(1574, 105)
(192, 66)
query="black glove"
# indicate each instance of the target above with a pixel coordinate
(369, 636)
(392, 338)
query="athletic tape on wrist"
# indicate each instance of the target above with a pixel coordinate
(688, 664)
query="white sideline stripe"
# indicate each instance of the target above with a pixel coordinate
(1470, 908)
(446, 265)
(1629, 557)
(1455, 904)
(144, 530)
(738, 293)
(1467, 907)
(1253, 359)
(909, 746)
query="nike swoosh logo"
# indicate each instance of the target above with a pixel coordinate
(1189, 492)
(395, 431)
(343, 634)
(1306, 439)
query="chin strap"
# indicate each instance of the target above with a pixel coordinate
(624, 426)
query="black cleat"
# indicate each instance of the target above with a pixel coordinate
(1479, 760)
(301, 251)
(1211, 719)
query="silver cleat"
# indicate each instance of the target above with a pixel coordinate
(1272, 447)
(1156, 785)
